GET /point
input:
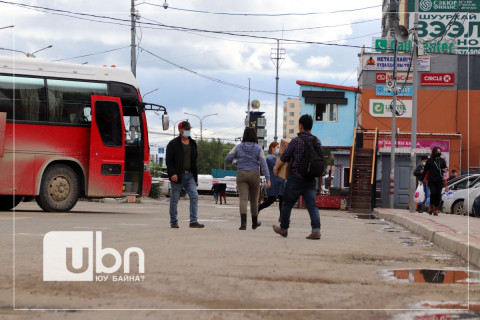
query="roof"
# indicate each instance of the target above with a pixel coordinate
(326, 85)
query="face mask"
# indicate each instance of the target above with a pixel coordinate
(423, 163)
(186, 133)
(439, 154)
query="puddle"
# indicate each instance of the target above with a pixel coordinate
(416, 243)
(438, 276)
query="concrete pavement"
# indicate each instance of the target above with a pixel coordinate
(456, 234)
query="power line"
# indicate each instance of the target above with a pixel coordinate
(211, 78)
(263, 14)
(91, 54)
(184, 28)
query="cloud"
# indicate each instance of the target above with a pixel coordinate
(319, 61)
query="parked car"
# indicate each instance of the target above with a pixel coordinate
(458, 183)
(476, 207)
(474, 202)
(461, 191)
(205, 182)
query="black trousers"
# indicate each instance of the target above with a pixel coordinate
(270, 200)
(435, 193)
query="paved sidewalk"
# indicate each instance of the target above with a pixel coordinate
(456, 234)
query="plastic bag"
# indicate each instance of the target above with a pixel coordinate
(419, 194)
(447, 195)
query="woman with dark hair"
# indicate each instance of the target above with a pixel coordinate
(437, 171)
(278, 183)
(249, 157)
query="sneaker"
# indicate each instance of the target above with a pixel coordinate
(314, 236)
(174, 225)
(277, 229)
(196, 225)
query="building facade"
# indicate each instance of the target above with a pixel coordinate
(291, 114)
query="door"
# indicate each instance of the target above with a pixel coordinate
(107, 148)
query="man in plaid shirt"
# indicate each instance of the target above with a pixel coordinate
(296, 184)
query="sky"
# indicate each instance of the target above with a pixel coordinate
(198, 56)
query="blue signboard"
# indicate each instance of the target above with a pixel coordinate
(161, 150)
(403, 91)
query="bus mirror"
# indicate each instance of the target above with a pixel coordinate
(165, 121)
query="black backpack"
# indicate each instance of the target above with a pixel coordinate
(313, 162)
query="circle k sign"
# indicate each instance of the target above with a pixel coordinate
(437, 79)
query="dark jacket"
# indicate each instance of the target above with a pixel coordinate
(434, 168)
(417, 172)
(174, 158)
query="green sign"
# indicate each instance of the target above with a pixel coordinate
(471, 6)
(384, 45)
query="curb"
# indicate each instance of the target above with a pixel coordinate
(443, 240)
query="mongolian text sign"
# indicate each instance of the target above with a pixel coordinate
(402, 91)
(384, 62)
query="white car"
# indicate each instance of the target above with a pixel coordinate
(461, 191)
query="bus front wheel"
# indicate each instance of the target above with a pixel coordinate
(9, 202)
(59, 189)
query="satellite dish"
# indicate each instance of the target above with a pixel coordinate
(401, 33)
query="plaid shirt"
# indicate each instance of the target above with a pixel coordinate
(296, 149)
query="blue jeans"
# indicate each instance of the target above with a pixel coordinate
(188, 183)
(295, 187)
(427, 195)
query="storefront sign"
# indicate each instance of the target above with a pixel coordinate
(456, 22)
(383, 77)
(381, 108)
(437, 79)
(384, 45)
(385, 62)
(402, 91)
(423, 146)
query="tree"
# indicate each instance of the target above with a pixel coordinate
(211, 155)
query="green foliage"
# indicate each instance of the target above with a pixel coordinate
(155, 191)
(211, 155)
(156, 169)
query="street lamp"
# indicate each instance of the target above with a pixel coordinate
(29, 55)
(175, 124)
(143, 98)
(201, 121)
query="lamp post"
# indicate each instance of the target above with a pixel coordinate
(201, 121)
(175, 125)
(150, 92)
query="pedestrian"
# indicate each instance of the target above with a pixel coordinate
(296, 184)
(222, 192)
(215, 191)
(453, 175)
(250, 158)
(436, 169)
(278, 183)
(181, 162)
(417, 173)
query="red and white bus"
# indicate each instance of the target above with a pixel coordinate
(69, 131)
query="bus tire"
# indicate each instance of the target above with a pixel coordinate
(9, 202)
(59, 189)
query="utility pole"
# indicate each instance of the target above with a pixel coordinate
(277, 56)
(413, 136)
(133, 58)
(394, 113)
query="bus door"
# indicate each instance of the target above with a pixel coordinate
(107, 148)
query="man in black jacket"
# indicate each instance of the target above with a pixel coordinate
(181, 162)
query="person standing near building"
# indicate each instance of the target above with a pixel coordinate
(417, 173)
(436, 168)
(249, 157)
(296, 184)
(181, 162)
(278, 183)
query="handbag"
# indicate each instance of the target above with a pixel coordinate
(419, 194)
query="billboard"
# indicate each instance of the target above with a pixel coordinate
(381, 108)
(437, 79)
(384, 62)
(402, 91)
(452, 22)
